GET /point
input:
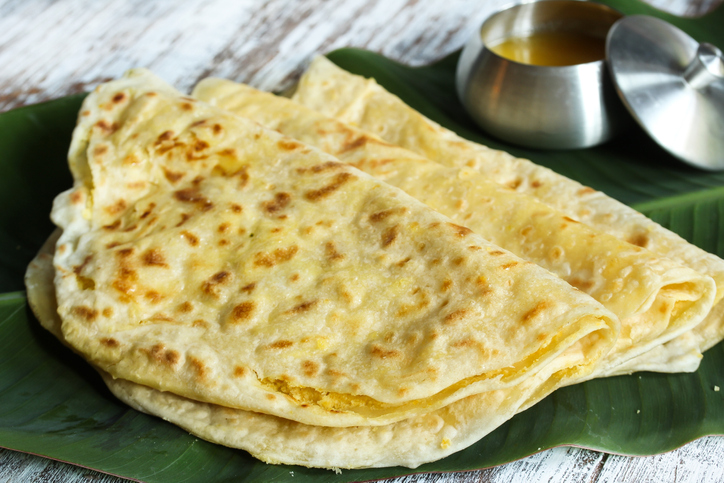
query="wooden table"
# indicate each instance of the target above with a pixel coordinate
(52, 49)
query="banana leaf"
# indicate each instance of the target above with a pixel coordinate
(53, 404)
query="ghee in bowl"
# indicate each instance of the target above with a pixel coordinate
(552, 48)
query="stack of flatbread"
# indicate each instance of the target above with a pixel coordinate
(335, 281)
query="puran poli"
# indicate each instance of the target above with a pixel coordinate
(207, 256)
(655, 298)
(276, 440)
(362, 102)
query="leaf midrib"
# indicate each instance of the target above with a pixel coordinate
(684, 199)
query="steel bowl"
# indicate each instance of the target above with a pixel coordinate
(561, 107)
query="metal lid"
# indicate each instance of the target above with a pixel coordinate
(673, 87)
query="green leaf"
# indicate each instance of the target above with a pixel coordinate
(52, 403)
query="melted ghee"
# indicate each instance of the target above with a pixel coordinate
(552, 48)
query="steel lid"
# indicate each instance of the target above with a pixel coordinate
(672, 85)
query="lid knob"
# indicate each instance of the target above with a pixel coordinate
(706, 67)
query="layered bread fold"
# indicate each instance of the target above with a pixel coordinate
(363, 103)
(655, 298)
(276, 440)
(212, 258)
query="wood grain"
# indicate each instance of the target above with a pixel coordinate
(50, 49)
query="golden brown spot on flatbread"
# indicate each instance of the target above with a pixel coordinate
(84, 312)
(567, 218)
(154, 258)
(85, 113)
(153, 296)
(281, 344)
(458, 261)
(446, 284)
(280, 201)
(664, 307)
(279, 255)
(465, 343)
(556, 253)
(289, 145)
(130, 228)
(201, 370)
(639, 239)
(79, 268)
(108, 312)
(514, 184)
(460, 231)
(242, 312)
(474, 248)
(536, 184)
(383, 215)
(187, 106)
(586, 190)
(224, 242)
(482, 286)
(185, 307)
(164, 136)
(172, 176)
(330, 251)
(112, 226)
(580, 284)
(382, 353)
(389, 236)
(110, 342)
(200, 323)
(337, 182)
(190, 237)
(271, 397)
(509, 265)
(526, 231)
(220, 278)
(320, 168)
(403, 262)
(199, 123)
(217, 129)
(303, 307)
(310, 368)
(455, 316)
(76, 197)
(535, 311)
(236, 208)
(160, 316)
(192, 195)
(184, 218)
(200, 145)
(118, 98)
(148, 211)
(116, 207)
(224, 227)
(239, 371)
(100, 150)
(294, 277)
(107, 128)
(249, 288)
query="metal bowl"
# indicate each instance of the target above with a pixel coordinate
(562, 107)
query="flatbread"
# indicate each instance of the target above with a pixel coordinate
(362, 102)
(655, 298)
(411, 442)
(207, 256)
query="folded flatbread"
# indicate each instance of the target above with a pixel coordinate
(207, 256)
(655, 298)
(362, 102)
(272, 439)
